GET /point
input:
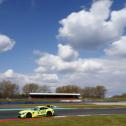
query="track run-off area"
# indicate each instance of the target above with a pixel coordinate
(11, 114)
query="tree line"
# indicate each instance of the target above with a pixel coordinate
(9, 89)
(86, 92)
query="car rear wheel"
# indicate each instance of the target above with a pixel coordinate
(49, 114)
(29, 115)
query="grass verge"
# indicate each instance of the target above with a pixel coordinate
(104, 120)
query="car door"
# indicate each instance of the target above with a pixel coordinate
(43, 110)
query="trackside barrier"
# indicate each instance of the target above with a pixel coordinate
(30, 102)
(26, 102)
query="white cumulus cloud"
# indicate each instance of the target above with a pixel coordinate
(6, 43)
(117, 48)
(9, 73)
(101, 9)
(49, 63)
(93, 28)
(21, 79)
(67, 53)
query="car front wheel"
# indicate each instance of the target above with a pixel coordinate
(29, 115)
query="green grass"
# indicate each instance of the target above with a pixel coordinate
(106, 120)
(110, 99)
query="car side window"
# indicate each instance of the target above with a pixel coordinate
(36, 109)
(43, 108)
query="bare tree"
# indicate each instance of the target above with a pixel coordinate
(68, 89)
(93, 92)
(88, 92)
(33, 88)
(44, 89)
(8, 89)
(30, 88)
(100, 91)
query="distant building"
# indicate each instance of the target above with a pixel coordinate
(54, 95)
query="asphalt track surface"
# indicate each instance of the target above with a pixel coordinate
(68, 112)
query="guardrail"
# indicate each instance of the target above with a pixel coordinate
(31, 102)
(26, 102)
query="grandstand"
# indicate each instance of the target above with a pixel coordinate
(54, 95)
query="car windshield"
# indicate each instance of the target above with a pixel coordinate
(36, 109)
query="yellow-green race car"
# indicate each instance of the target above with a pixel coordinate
(36, 112)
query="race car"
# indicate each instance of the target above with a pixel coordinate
(38, 111)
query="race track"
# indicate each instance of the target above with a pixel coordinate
(68, 112)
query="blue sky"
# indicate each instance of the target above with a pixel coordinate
(64, 32)
(32, 27)
(33, 24)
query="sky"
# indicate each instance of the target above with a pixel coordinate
(61, 42)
